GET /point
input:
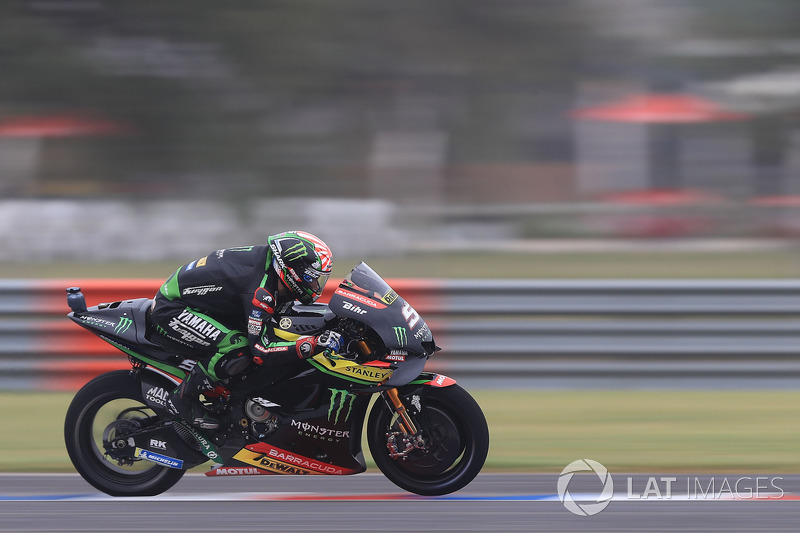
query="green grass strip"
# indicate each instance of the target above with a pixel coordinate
(538, 431)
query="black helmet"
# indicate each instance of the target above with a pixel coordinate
(303, 263)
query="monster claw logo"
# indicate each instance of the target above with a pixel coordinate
(402, 335)
(295, 252)
(123, 325)
(340, 398)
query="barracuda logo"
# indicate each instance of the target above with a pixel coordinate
(295, 252)
(340, 398)
(123, 325)
(401, 334)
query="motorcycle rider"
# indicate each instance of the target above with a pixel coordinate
(219, 309)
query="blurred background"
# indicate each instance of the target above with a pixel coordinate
(455, 139)
(145, 130)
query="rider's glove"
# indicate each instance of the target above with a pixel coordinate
(310, 346)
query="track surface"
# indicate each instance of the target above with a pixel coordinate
(367, 502)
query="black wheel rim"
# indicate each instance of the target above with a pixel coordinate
(445, 448)
(94, 422)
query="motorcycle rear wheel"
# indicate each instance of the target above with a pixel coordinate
(455, 429)
(112, 402)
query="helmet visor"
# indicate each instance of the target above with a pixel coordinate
(315, 281)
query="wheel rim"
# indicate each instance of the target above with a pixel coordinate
(110, 418)
(448, 451)
(445, 450)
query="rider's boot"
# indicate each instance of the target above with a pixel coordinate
(184, 401)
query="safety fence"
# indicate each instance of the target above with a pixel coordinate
(490, 328)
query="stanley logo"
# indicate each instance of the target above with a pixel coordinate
(123, 325)
(340, 398)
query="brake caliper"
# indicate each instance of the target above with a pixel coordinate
(395, 440)
(409, 438)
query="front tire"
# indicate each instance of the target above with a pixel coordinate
(457, 437)
(112, 398)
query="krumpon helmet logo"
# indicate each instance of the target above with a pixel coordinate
(589, 508)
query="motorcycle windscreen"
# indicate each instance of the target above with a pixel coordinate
(364, 296)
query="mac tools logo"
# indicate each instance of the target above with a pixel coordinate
(586, 507)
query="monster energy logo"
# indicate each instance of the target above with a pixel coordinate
(123, 325)
(402, 335)
(340, 398)
(295, 252)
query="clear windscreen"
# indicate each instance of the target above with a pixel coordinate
(365, 280)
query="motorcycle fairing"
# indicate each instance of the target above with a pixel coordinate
(364, 296)
(263, 458)
(123, 324)
(433, 380)
(320, 419)
(350, 370)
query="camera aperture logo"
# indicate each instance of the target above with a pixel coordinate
(582, 496)
(585, 508)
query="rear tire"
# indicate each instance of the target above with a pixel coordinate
(455, 428)
(105, 399)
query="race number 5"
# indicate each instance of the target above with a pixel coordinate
(410, 315)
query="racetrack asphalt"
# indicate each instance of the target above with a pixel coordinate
(369, 502)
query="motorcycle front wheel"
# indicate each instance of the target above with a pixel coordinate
(105, 409)
(456, 440)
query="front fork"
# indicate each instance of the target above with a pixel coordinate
(403, 436)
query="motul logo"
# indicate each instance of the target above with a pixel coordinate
(237, 471)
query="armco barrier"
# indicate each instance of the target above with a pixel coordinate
(503, 328)
(40, 348)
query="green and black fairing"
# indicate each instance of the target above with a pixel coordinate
(124, 324)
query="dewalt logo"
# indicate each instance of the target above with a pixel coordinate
(123, 325)
(340, 399)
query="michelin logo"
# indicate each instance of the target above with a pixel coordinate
(158, 458)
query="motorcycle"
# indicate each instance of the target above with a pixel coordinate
(425, 433)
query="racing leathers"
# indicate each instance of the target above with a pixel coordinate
(218, 310)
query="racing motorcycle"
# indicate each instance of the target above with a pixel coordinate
(424, 432)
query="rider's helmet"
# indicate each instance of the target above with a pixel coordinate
(303, 262)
